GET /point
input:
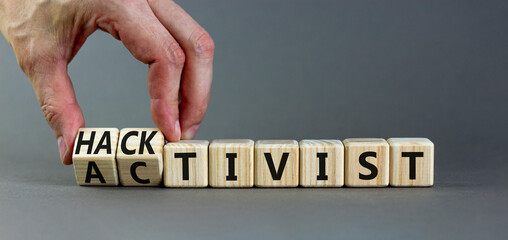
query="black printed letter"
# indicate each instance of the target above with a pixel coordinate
(106, 137)
(135, 176)
(231, 167)
(412, 162)
(124, 143)
(371, 167)
(83, 142)
(146, 142)
(185, 163)
(93, 166)
(276, 175)
(322, 166)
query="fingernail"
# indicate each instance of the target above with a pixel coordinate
(62, 148)
(178, 131)
(191, 132)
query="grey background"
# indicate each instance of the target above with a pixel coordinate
(287, 69)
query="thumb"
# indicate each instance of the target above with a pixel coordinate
(55, 93)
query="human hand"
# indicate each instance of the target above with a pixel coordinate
(47, 34)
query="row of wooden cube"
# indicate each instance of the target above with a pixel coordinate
(140, 157)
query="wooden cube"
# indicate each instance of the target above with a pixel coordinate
(366, 162)
(186, 164)
(139, 156)
(411, 162)
(321, 163)
(94, 156)
(231, 163)
(276, 163)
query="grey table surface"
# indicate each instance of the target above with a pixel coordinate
(290, 70)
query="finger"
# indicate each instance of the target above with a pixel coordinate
(198, 71)
(151, 43)
(55, 93)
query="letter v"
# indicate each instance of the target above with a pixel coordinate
(276, 174)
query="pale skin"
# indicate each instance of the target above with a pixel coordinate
(46, 34)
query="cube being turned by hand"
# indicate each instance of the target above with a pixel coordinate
(94, 156)
(139, 156)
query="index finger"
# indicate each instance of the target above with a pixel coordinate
(197, 74)
(148, 41)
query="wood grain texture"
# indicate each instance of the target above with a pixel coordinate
(422, 151)
(139, 156)
(100, 164)
(332, 154)
(354, 148)
(276, 149)
(197, 174)
(243, 165)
